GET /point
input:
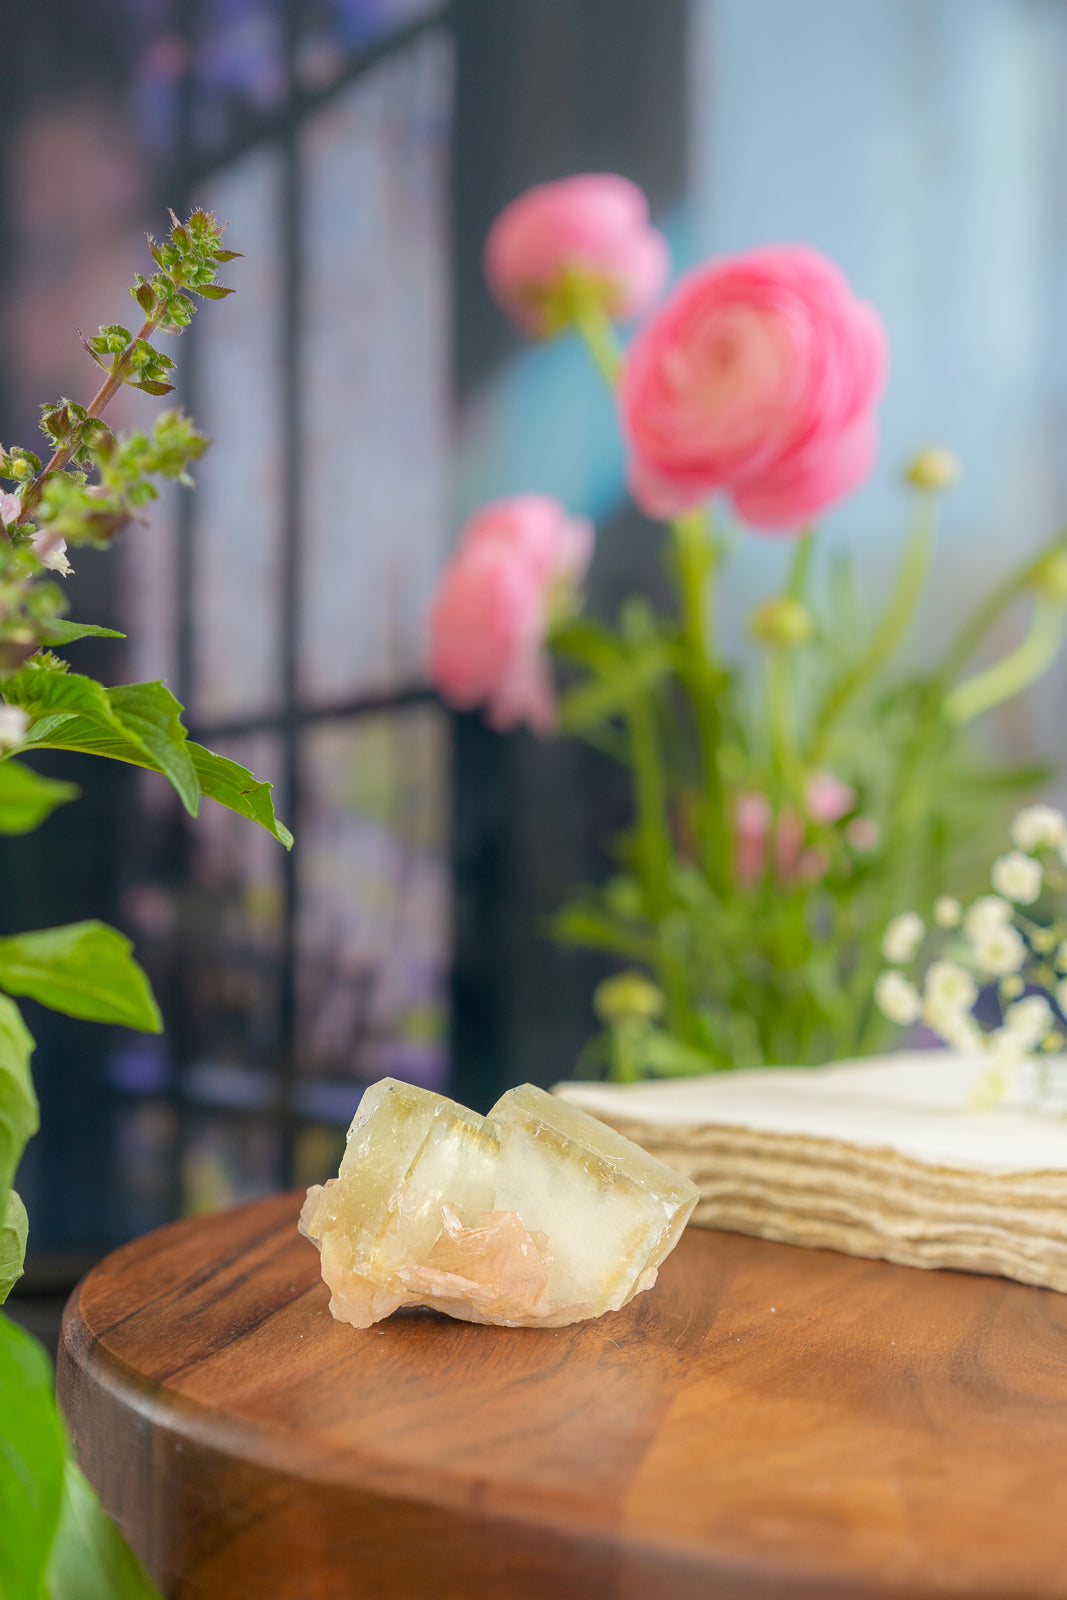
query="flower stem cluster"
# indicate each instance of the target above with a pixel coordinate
(96, 480)
(775, 821)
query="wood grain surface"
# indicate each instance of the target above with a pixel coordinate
(767, 1422)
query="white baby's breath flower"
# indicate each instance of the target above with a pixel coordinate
(897, 999)
(988, 911)
(1017, 877)
(13, 726)
(1037, 826)
(999, 950)
(1028, 1021)
(947, 911)
(950, 984)
(903, 937)
(957, 1027)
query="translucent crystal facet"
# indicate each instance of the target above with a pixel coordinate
(535, 1216)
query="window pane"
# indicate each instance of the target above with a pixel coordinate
(334, 32)
(238, 68)
(373, 918)
(374, 374)
(238, 504)
(226, 1160)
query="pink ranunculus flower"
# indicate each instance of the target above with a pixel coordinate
(758, 377)
(516, 563)
(593, 227)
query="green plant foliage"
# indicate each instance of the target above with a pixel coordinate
(18, 1103)
(89, 1559)
(137, 722)
(84, 969)
(60, 632)
(56, 1542)
(26, 798)
(13, 1229)
(234, 786)
(32, 1452)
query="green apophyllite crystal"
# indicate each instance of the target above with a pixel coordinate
(535, 1216)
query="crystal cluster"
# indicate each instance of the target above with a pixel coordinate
(534, 1216)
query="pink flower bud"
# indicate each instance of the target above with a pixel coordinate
(752, 825)
(591, 230)
(758, 377)
(827, 798)
(516, 562)
(863, 835)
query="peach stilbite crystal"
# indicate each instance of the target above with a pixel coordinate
(534, 1216)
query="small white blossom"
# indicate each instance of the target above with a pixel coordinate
(51, 552)
(950, 985)
(947, 911)
(897, 999)
(1037, 826)
(1029, 1021)
(999, 950)
(13, 726)
(957, 1028)
(1061, 995)
(903, 937)
(988, 911)
(1017, 877)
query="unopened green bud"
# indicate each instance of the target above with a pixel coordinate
(1050, 575)
(933, 468)
(1011, 987)
(628, 997)
(782, 623)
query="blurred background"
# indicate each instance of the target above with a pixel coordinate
(364, 396)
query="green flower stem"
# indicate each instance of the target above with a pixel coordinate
(650, 802)
(783, 747)
(655, 851)
(1011, 675)
(978, 625)
(892, 626)
(695, 558)
(597, 332)
(121, 368)
(784, 758)
(800, 566)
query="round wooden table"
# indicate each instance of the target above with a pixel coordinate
(768, 1421)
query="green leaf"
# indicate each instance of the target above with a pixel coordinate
(153, 386)
(84, 969)
(137, 722)
(14, 1225)
(589, 703)
(18, 1103)
(235, 787)
(152, 714)
(32, 1450)
(90, 1560)
(26, 798)
(58, 631)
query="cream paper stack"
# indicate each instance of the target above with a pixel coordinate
(885, 1157)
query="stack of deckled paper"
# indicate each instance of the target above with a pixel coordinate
(885, 1157)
